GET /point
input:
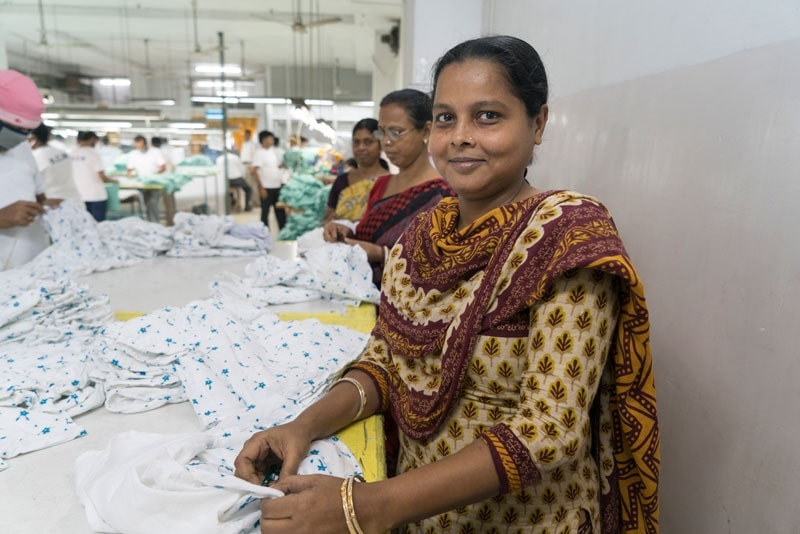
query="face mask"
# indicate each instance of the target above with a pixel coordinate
(11, 137)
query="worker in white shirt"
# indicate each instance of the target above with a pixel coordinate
(87, 169)
(236, 173)
(157, 144)
(267, 172)
(246, 154)
(248, 148)
(22, 196)
(54, 165)
(143, 162)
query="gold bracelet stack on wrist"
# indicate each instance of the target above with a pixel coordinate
(362, 395)
(347, 504)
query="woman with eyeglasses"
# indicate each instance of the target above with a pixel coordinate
(404, 126)
(350, 192)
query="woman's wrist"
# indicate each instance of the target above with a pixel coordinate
(306, 424)
(373, 507)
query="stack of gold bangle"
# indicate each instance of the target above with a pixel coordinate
(347, 504)
(362, 395)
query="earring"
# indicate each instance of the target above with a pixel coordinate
(424, 141)
(470, 139)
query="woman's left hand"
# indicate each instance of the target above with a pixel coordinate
(312, 504)
(374, 252)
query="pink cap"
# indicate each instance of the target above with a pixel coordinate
(20, 101)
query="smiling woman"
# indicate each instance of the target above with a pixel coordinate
(511, 346)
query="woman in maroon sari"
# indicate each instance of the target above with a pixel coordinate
(404, 125)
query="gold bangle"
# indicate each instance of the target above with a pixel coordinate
(362, 394)
(351, 509)
(347, 517)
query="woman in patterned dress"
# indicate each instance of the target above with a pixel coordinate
(511, 348)
(350, 191)
(404, 125)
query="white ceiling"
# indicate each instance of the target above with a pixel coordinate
(115, 37)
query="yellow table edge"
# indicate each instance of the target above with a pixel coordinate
(364, 438)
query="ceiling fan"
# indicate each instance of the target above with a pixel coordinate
(301, 27)
(296, 22)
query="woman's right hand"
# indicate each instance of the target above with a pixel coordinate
(335, 232)
(287, 443)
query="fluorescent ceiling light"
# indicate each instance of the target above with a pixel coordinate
(187, 125)
(215, 100)
(46, 116)
(115, 82)
(105, 114)
(179, 142)
(207, 99)
(319, 102)
(218, 69)
(153, 101)
(363, 103)
(87, 125)
(264, 100)
(110, 115)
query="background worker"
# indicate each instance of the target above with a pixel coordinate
(87, 169)
(22, 196)
(54, 165)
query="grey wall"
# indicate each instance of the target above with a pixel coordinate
(696, 151)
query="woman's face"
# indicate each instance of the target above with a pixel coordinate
(410, 145)
(482, 138)
(366, 149)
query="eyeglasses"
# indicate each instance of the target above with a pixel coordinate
(392, 134)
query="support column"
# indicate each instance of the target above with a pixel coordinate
(429, 29)
(3, 54)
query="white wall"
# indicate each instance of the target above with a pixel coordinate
(430, 29)
(586, 43)
(695, 148)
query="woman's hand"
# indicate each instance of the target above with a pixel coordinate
(287, 443)
(336, 233)
(263, 193)
(375, 253)
(313, 504)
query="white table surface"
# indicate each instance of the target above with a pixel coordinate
(37, 490)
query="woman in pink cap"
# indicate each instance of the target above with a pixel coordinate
(22, 198)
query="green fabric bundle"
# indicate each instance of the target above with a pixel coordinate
(307, 197)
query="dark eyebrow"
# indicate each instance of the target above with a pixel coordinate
(489, 104)
(475, 105)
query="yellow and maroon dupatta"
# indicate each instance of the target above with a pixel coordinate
(519, 250)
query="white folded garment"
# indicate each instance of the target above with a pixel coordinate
(334, 271)
(209, 235)
(25, 430)
(176, 483)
